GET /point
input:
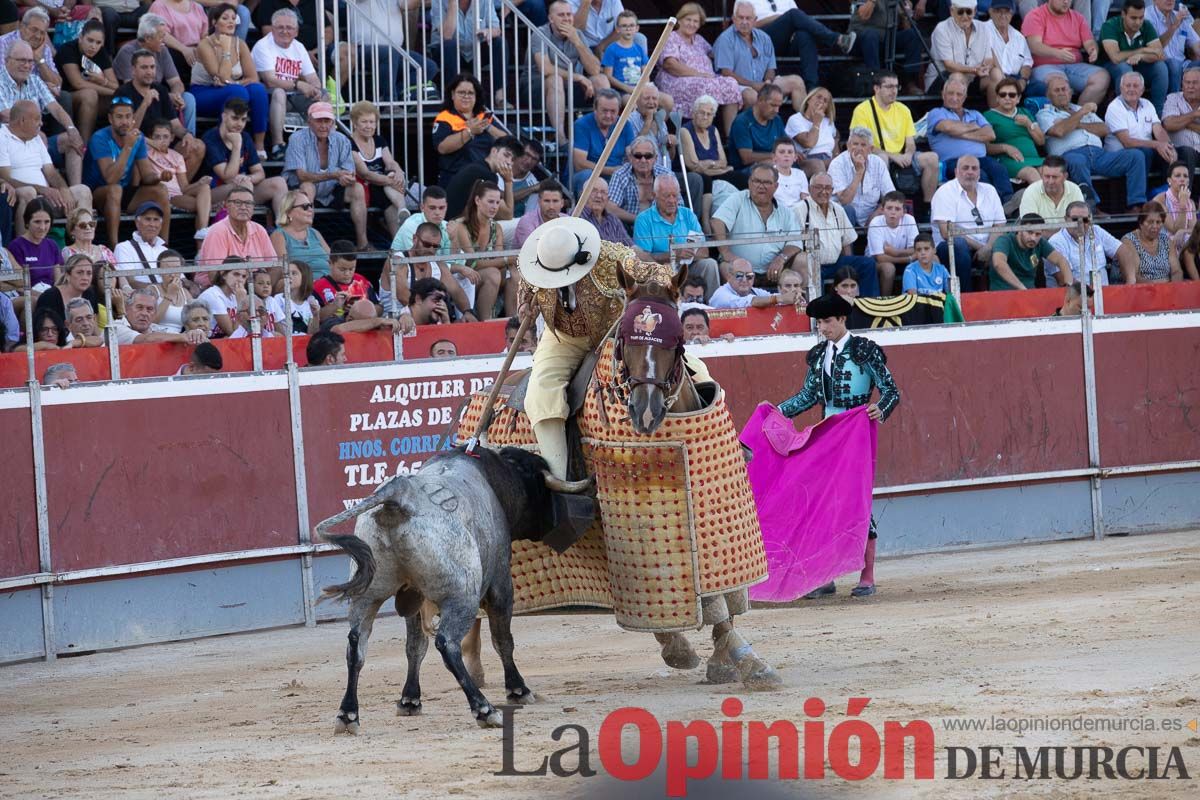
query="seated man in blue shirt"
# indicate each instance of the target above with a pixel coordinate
(666, 222)
(747, 54)
(113, 154)
(754, 132)
(592, 132)
(955, 131)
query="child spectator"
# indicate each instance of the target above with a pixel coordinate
(301, 306)
(262, 291)
(338, 290)
(222, 297)
(890, 237)
(925, 275)
(195, 196)
(793, 183)
(624, 59)
(172, 294)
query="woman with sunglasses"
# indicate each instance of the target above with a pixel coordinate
(81, 228)
(297, 240)
(1018, 136)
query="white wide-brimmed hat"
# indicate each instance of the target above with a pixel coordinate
(559, 252)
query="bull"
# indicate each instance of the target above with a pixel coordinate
(442, 536)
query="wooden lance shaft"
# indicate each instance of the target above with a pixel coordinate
(485, 419)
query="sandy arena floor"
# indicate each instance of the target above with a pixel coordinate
(1077, 629)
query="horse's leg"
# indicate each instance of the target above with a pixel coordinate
(362, 618)
(677, 652)
(456, 621)
(470, 644)
(733, 657)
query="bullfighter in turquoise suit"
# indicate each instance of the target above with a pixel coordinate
(843, 370)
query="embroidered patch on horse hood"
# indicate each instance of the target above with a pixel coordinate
(653, 323)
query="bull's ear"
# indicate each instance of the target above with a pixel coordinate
(625, 281)
(680, 279)
(568, 487)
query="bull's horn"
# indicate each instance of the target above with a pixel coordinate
(568, 487)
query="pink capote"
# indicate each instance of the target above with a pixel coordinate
(813, 492)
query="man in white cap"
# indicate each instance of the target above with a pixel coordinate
(570, 277)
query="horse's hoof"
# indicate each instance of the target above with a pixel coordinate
(408, 707)
(489, 719)
(764, 679)
(523, 696)
(677, 652)
(346, 723)
(719, 671)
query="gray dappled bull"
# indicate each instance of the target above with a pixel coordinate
(443, 535)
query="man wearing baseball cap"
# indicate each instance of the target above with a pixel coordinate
(320, 164)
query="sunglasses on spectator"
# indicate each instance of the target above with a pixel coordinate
(643, 156)
(1008, 94)
(303, 206)
(743, 276)
(976, 216)
(121, 101)
(964, 12)
(1079, 219)
(86, 224)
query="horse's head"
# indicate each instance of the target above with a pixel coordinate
(649, 349)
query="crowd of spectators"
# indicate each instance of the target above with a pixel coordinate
(209, 120)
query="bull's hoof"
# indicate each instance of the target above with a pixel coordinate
(346, 722)
(677, 652)
(522, 696)
(488, 717)
(408, 706)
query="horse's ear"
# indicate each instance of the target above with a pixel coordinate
(680, 279)
(625, 281)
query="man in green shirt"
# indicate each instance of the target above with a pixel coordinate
(1130, 43)
(1018, 135)
(1018, 259)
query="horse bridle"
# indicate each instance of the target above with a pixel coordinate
(671, 386)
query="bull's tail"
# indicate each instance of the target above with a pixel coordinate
(358, 550)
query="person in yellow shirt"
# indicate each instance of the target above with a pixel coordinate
(895, 134)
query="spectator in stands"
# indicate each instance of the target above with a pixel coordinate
(26, 165)
(755, 130)
(528, 344)
(524, 174)
(551, 200)
(76, 282)
(793, 183)
(428, 303)
(1177, 200)
(860, 178)
(1010, 50)
(1147, 254)
(381, 176)
(960, 45)
(592, 132)
(1019, 257)
(496, 168)
(187, 23)
(845, 284)
(49, 330)
(693, 291)
(227, 289)
(967, 203)
(1133, 124)
(687, 68)
(1072, 302)
(650, 119)
(477, 231)
(433, 209)
(34, 30)
(81, 229)
(631, 188)
(152, 36)
(890, 238)
(836, 235)
(463, 132)
(231, 155)
(82, 324)
(427, 242)
(152, 103)
(703, 153)
(814, 130)
(204, 360)
(1018, 136)
(1073, 132)
(34, 249)
(19, 82)
(194, 196)
(320, 163)
(224, 69)
(325, 349)
(754, 212)
(238, 234)
(746, 54)
(10, 329)
(610, 228)
(1086, 247)
(1130, 43)
(142, 249)
(586, 75)
(87, 72)
(443, 348)
(626, 56)
(956, 131)
(1181, 118)
(1056, 36)
(870, 21)
(117, 14)
(667, 222)
(138, 326)
(297, 307)
(343, 286)
(1189, 257)
(1179, 39)
(297, 240)
(925, 275)
(597, 21)
(197, 317)
(739, 291)
(895, 132)
(173, 296)
(1050, 195)
(696, 327)
(286, 70)
(796, 34)
(457, 34)
(60, 376)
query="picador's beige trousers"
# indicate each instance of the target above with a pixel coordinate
(554, 363)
